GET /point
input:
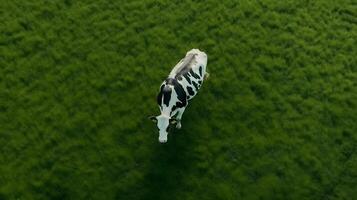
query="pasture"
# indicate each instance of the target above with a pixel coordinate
(277, 119)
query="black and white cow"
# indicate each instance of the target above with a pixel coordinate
(181, 85)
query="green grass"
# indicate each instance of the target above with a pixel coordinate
(276, 120)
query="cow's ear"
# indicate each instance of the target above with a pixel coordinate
(153, 118)
(173, 121)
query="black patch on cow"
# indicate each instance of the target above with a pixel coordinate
(188, 96)
(167, 94)
(200, 82)
(195, 85)
(180, 104)
(190, 91)
(159, 96)
(173, 109)
(181, 94)
(200, 69)
(186, 76)
(194, 74)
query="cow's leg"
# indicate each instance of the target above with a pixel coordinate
(179, 116)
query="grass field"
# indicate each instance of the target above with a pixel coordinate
(276, 120)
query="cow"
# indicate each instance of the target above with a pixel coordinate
(182, 84)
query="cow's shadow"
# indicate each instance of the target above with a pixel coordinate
(169, 165)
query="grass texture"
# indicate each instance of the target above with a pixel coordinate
(276, 120)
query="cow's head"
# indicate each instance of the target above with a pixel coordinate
(163, 122)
